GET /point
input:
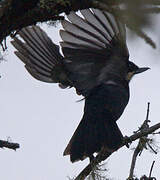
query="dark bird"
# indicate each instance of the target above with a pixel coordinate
(96, 63)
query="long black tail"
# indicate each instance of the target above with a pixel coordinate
(96, 130)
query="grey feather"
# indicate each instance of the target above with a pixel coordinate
(79, 40)
(40, 55)
(89, 43)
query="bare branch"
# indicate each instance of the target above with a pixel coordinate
(151, 169)
(147, 116)
(9, 145)
(18, 14)
(134, 158)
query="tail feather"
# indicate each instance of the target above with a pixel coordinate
(91, 136)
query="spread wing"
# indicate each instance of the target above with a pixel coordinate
(40, 55)
(89, 43)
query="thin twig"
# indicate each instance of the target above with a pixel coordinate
(141, 144)
(156, 133)
(145, 132)
(9, 145)
(147, 116)
(152, 148)
(151, 169)
(134, 158)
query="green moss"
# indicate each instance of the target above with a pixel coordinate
(48, 3)
(64, 3)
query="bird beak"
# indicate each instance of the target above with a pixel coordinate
(140, 70)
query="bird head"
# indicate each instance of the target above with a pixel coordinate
(134, 69)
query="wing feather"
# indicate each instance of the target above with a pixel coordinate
(40, 55)
(89, 43)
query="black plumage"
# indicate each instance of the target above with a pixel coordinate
(96, 63)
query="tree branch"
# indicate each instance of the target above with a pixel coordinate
(104, 155)
(150, 173)
(15, 14)
(141, 144)
(9, 145)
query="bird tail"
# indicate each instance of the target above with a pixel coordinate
(93, 135)
(40, 55)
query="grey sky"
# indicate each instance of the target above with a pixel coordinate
(42, 118)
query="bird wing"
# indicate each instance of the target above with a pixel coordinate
(89, 42)
(40, 55)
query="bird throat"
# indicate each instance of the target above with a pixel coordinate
(129, 76)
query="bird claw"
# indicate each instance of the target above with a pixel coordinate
(127, 141)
